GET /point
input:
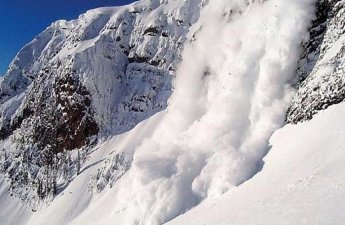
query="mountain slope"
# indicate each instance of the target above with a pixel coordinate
(80, 141)
(81, 81)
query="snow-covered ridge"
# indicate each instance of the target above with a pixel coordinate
(108, 47)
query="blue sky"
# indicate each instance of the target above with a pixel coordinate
(22, 20)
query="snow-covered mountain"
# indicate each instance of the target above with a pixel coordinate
(140, 113)
(83, 80)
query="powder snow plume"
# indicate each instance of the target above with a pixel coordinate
(232, 90)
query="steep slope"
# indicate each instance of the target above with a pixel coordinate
(84, 80)
(80, 142)
(321, 69)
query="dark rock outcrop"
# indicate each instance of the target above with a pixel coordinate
(321, 68)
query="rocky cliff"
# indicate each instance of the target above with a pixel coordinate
(321, 68)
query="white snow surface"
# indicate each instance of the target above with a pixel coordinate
(302, 181)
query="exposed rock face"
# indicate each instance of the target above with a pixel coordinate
(321, 69)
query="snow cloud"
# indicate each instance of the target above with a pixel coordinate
(232, 90)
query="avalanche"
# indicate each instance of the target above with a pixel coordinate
(302, 181)
(231, 90)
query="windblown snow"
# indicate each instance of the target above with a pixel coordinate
(230, 94)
